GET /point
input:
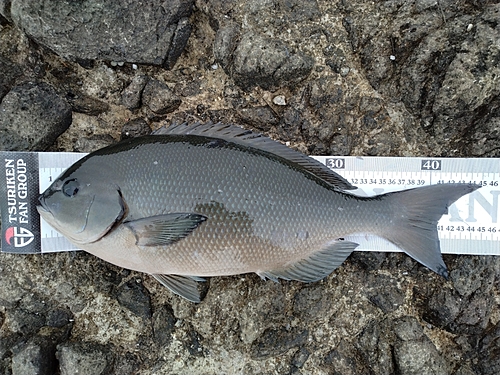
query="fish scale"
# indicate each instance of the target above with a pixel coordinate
(213, 200)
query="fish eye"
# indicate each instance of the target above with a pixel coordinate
(70, 187)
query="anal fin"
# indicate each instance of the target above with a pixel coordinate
(184, 286)
(315, 267)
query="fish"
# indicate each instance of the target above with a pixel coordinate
(203, 200)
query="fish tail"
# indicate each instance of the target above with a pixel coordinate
(416, 214)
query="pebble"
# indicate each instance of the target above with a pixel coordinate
(159, 98)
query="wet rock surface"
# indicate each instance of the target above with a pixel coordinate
(148, 32)
(32, 116)
(400, 78)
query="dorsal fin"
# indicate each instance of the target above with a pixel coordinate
(248, 138)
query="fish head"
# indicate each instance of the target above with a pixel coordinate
(82, 208)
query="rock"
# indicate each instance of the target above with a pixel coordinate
(93, 143)
(385, 293)
(414, 353)
(131, 97)
(468, 91)
(297, 10)
(345, 360)
(59, 318)
(84, 358)
(10, 72)
(263, 118)
(159, 98)
(163, 325)
(32, 116)
(5, 10)
(336, 59)
(226, 41)
(125, 31)
(274, 342)
(133, 296)
(85, 104)
(135, 128)
(375, 345)
(429, 59)
(34, 359)
(259, 315)
(300, 357)
(311, 302)
(472, 274)
(489, 349)
(193, 343)
(178, 43)
(260, 61)
(25, 322)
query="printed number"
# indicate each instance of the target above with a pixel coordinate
(335, 163)
(461, 228)
(431, 165)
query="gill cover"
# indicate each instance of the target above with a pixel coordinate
(83, 211)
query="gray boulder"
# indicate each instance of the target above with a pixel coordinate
(260, 61)
(147, 32)
(32, 116)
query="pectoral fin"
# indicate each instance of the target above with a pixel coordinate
(184, 286)
(315, 267)
(164, 230)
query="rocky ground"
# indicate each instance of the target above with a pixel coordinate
(399, 78)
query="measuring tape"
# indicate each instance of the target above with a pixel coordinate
(471, 227)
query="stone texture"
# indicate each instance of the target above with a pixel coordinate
(135, 128)
(10, 72)
(159, 98)
(135, 297)
(262, 61)
(33, 358)
(124, 31)
(32, 116)
(414, 352)
(83, 358)
(92, 143)
(131, 97)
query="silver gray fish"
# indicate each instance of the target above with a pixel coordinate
(213, 200)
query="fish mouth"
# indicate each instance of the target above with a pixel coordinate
(42, 205)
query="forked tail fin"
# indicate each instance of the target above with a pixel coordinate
(416, 213)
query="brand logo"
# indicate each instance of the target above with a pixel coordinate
(18, 236)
